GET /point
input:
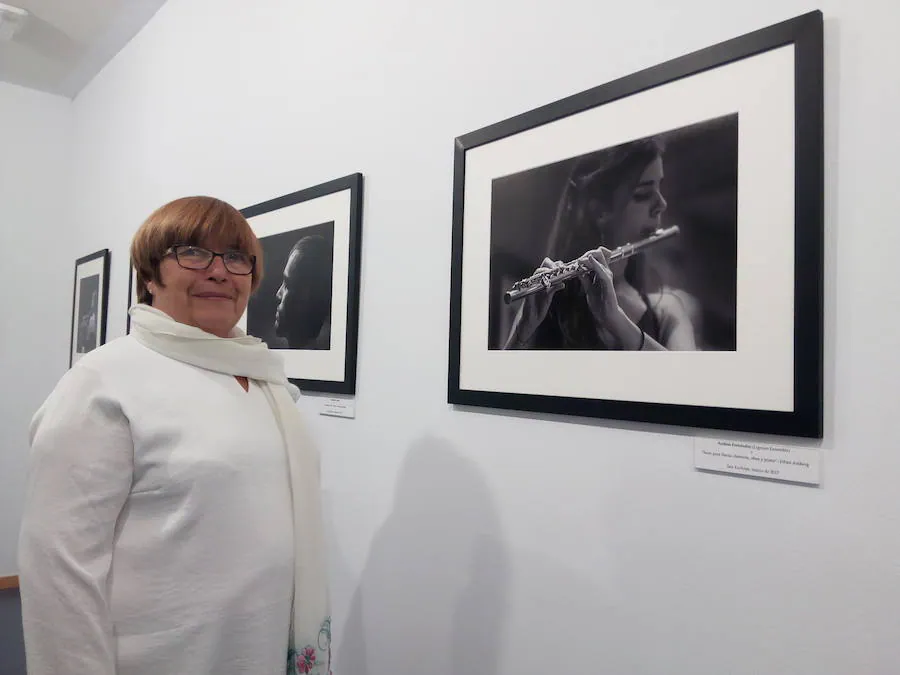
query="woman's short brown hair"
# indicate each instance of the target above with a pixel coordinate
(189, 220)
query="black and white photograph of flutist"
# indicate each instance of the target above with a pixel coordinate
(672, 195)
(292, 307)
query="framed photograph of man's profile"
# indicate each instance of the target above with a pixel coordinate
(90, 292)
(307, 306)
(651, 249)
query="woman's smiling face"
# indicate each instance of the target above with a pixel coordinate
(213, 299)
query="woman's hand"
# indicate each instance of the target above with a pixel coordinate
(599, 288)
(533, 309)
(610, 320)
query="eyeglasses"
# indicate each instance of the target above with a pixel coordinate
(199, 258)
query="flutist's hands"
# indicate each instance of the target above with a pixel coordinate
(533, 309)
(610, 320)
(540, 302)
(598, 286)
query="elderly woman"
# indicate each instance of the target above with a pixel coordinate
(172, 522)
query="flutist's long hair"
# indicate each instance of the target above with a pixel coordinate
(598, 188)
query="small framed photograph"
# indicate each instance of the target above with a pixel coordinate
(651, 249)
(307, 306)
(90, 293)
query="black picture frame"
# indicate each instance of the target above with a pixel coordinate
(90, 296)
(132, 297)
(333, 209)
(793, 49)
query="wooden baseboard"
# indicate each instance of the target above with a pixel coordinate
(8, 582)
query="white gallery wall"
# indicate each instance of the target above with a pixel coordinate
(480, 542)
(37, 263)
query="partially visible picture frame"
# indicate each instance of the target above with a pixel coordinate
(90, 293)
(702, 177)
(307, 307)
(132, 296)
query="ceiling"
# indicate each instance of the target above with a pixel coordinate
(63, 44)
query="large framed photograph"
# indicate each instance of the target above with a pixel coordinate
(651, 250)
(90, 291)
(307, 306)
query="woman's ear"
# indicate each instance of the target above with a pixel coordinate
(597, 211)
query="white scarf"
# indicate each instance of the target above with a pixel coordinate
(242, 355)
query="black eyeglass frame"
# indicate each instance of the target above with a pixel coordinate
(215, 254)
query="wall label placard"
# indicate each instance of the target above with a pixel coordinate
(759, 460)
(338, 407)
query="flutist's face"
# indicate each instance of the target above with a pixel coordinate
(643, 208)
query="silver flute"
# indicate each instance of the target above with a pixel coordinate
(544, 280)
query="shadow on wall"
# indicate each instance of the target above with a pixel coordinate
(432, 597)
(12, 647)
